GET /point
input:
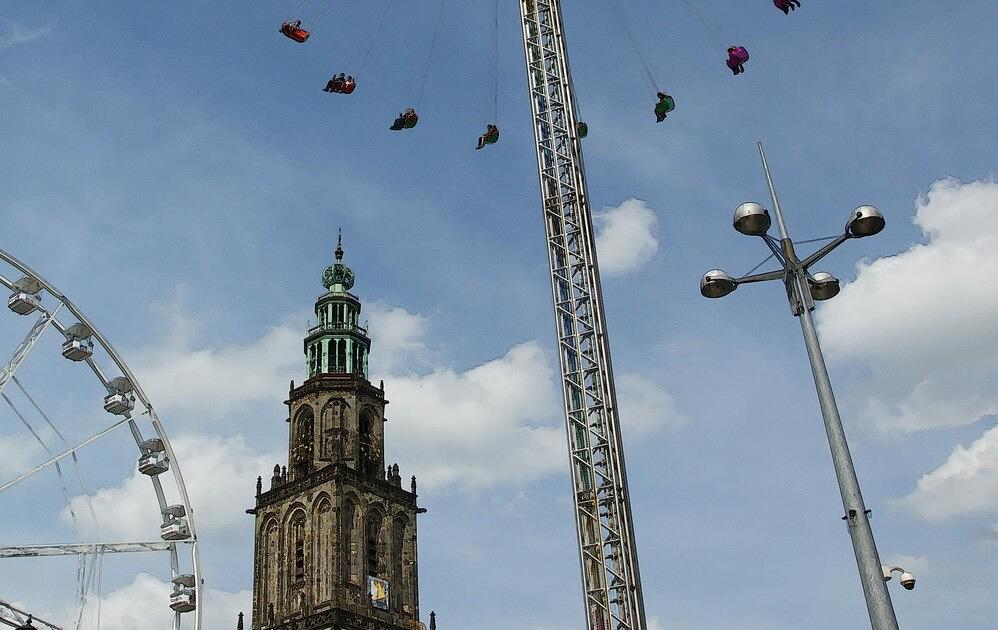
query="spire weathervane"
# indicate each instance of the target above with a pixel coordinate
(338, 277)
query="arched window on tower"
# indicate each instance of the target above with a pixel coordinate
(368, 457)
(341, 355)
(304, 436)
(269, 570)
(296, 548)
(373, 542)
(322, 571)
(397, 560)
(347, 548)
(333, 433)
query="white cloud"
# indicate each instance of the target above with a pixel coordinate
(397, 336)
(17, 34)
(495, 423)
(918, 565)
(178, 372)
(219, 473)
(625, 237)
(966, 484)
(645, 406)
(924, 320)
(145, 604)
(17, 454)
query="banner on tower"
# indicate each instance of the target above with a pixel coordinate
(379, 592)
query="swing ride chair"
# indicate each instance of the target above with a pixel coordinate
(341, 84)
(125, 401)
(294, 31)
(405, 120)
(491, 136)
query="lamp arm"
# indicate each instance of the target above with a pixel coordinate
(762, 277)
(824, 251)
(774, 247)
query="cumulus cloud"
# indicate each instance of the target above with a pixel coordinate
(17, 34)
(965, 484)
(495, 423)
(219, 473)
(17, 454)
(398, 338)
(645, 406)
(626, 237)
(923, 321)
(145, 604)
(180, 372)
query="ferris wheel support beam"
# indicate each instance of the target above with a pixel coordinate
(153, 417)
(64, 454)
(24, 348)
(607, 548)
(85, 549)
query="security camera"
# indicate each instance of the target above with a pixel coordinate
(908, 580)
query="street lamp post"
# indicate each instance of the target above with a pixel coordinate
(803, 288)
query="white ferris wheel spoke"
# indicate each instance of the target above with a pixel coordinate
(24, 348)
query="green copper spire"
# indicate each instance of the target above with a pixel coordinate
(338, 277)
(338, 344)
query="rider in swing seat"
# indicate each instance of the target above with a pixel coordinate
(349, 85)
(787, 5)
(737, 56)
(294, 31)
(335, 84)
(409, 118)
(665, 105)
(491, 136)
(405, 120)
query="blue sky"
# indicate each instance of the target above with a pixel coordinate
(177, 170)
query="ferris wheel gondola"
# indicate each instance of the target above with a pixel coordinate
(123, 398)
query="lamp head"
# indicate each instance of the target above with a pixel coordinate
(716, 283)
(865, 221)
(752, 219)
(824, 286)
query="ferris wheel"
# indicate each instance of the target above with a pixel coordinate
(38, 301)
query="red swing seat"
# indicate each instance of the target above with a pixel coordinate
(296, 33)
(348, 87)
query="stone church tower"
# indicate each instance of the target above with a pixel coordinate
(336, 531)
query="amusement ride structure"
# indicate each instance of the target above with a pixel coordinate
(32, 295)
(607, 550)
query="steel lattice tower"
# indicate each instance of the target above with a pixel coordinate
(607, 550)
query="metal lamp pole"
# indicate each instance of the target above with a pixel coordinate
(802, 289)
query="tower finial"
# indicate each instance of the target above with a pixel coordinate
(339, 245)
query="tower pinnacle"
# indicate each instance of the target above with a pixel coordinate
(338, 343)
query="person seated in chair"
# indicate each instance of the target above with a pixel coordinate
(491, 136)
(665, 105)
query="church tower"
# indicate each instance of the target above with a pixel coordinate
(336, 531)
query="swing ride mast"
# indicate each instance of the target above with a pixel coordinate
(605, 530)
